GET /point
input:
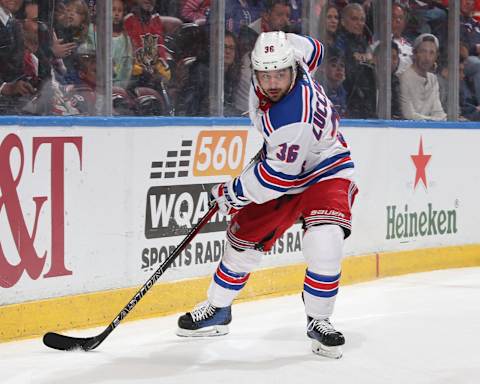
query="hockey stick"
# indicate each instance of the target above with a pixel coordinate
(68, 343)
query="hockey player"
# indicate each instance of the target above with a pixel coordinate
(303, 171)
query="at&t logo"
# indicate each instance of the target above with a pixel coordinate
(22, 229)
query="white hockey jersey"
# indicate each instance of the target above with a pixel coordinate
(302, 143)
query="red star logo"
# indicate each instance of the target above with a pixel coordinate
(421, 160)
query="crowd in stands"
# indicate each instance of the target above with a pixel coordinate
(161, 54)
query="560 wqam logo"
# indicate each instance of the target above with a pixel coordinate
(172, 209)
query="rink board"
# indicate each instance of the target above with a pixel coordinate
(90, 208)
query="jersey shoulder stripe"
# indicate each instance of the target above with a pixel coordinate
(296, 107)
(317, 54)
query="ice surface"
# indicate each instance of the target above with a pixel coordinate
(419, 328)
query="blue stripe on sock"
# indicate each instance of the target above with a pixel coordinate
(318, 293)
(226, 285)
(322, 278)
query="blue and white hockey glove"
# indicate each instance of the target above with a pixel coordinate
(229, 197)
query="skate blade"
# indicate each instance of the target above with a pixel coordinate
(322, 350)
(214, 330)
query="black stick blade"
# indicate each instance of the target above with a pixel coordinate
(68, 343)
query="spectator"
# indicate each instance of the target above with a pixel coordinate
(49, 98)
(168, 8)
(150, 69)
(426, 16)
(81, 98)
(476, 12)
(368, 8)
(74, 29)
(360, 73)
(122, 51)
(469, 106)
(78, 21)
(275, 17)
(13, 84)
(61, 48)
(145, 29)
(419, 89)
(194, 95)
(81, 95)
(469, 27)
(92, 4)
(195, 11)
(332, 22)
(334, 78)
(399, 22)
(470, 37)
(241, 13)
(396, 111)
(295, 16)
(30, 31)
(469, 103)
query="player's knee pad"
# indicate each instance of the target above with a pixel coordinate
(323, 249)
(243, 261)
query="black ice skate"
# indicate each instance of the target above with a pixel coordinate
(205, 320)
(326, 340)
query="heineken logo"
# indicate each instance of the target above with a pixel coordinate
(404, 223)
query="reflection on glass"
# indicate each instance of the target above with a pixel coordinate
(160, 55)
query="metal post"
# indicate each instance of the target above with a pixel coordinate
(310, 20)
(104, 57)
(217, 41)
(384, 60)
(453, 59)
(44, 54)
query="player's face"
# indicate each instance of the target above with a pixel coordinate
(275, 84)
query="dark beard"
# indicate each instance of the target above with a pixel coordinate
(118, 27)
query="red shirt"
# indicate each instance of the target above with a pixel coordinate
(136, 29)
(476, 12)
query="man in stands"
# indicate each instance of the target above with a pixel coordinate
(399, 22)
(419, 90)
(359, 69)
(13, 83)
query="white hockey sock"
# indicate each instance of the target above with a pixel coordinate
(231, 275)
(319, 294)
(225, 286)
(323, 251)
